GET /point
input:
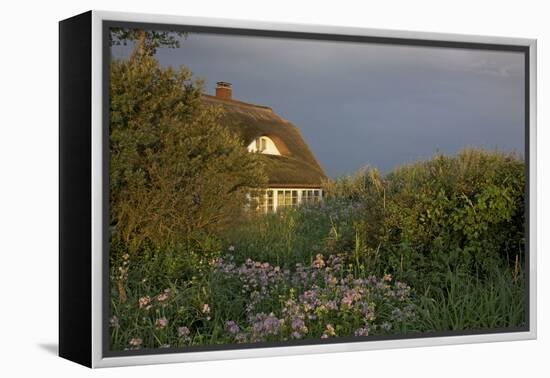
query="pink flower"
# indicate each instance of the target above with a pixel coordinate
(135, 342)
(162, 297)
(144, 301)
(161, 323)
(205, 308)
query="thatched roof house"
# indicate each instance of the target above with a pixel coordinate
(294, 174)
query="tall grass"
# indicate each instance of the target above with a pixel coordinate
(464, 302)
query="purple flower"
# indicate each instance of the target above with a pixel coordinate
(264, 326)
(297, 324)
(296, 335)
(326, 289)
(232, 327)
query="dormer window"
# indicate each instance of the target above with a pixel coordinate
(264, 145)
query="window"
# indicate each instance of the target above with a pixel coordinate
(263, 144)
(294, 198)
(262, 201)
(287, 198)
(269, 207)
(311, 196)
(315, 196)
(280, 198)
(269, 201)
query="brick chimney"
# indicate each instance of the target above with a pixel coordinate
(223, 90)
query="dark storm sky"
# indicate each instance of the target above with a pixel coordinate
(362, 104)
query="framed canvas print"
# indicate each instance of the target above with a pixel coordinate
(238, 189)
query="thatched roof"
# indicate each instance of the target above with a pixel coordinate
(297, 166)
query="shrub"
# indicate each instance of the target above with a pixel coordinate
(464, 212)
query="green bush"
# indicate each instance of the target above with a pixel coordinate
(464, 212)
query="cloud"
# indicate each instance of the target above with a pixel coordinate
(375, 104)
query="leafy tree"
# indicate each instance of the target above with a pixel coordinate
(175, 171)
(146, 41)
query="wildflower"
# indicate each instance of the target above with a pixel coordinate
(318, 263)
(240, 338)
(322, 288)
(368, 313)
(184, 333)
(231, 248)
(351, 296)
(331, 280)
(113, 321)
(135, 342)
(264, 326)
(296, 335)
(232, 327)
(299, 326)
(401, 291)
(144, 302)
(161, 323)
(162, 297)
(398, 315)
(206, 310)
(329, 331)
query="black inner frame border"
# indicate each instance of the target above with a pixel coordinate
(106, 59)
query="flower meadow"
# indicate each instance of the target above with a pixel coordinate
(321, 300)
(436, 246)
